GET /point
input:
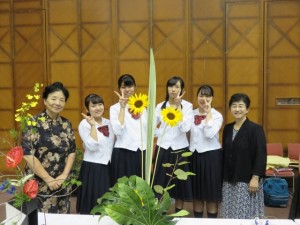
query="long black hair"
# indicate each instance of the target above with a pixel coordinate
(171, 82)
(127, 80)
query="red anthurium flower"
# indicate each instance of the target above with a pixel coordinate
(14, 156)
(31, 188)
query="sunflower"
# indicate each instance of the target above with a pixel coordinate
(171, 116)
(137, 103)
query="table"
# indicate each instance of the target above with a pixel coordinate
(297, 221)
(75, 219)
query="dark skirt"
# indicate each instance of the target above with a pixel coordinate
(183, 188)
(95, 180)
(207, 183)
(126, 163)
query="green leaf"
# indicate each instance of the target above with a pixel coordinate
(180, 174)
(169, 187)
(190, 173)
(183, 163)
(121, 215)
(186, 154)
(180, 213)
(167, 165)
(165, 204)
(158, 189)
(145, 192)
(151, 122)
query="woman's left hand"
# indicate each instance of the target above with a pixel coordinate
(253, 185)
(60, 179)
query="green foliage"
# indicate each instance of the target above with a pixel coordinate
(19, 199)
(132, 201)
(77, 163)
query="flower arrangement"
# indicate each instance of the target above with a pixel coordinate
(132, 200)
(23, 188)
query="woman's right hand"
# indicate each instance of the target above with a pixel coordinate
(123, 101)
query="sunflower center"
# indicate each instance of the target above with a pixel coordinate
(138, 104)
(171, 116)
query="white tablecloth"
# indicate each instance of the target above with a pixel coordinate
(297, 221)
(75, 219)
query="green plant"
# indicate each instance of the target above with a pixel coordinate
(77, 163)
(132, 201)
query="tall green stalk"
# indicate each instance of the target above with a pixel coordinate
(151, 119)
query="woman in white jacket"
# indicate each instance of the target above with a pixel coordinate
(207, 156)
(98, 140)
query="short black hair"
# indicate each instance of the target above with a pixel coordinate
(240, 97)
(56, 86)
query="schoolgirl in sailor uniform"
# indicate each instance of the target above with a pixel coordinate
(206, 160)
(98, 140)
(127, 152)
(173, 139)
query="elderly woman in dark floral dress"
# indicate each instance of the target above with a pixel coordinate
(49, 150)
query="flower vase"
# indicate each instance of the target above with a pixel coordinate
(29, 211)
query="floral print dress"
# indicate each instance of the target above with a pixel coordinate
(50, 141)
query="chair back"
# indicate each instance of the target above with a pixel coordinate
(274, 149)
(293, 150)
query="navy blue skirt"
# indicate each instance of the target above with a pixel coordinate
(207, 183)
(126, 163)
(183, 188)
(95, 180)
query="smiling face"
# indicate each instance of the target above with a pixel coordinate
(239, 110)
(203, 100)
(55, 103)
(127, 90)
(96, 110)
(174, 90)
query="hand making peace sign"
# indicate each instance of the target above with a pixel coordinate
(122, 100)
(178, 99)
(89, 119)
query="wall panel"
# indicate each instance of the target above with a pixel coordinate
(282, 47)
(250, 46)
(206, 41)
(243, 53)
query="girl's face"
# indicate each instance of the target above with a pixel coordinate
(96, 110)
(174, 90)
(55, 103)
(239, 110)
(127, 90)
(204, 100)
